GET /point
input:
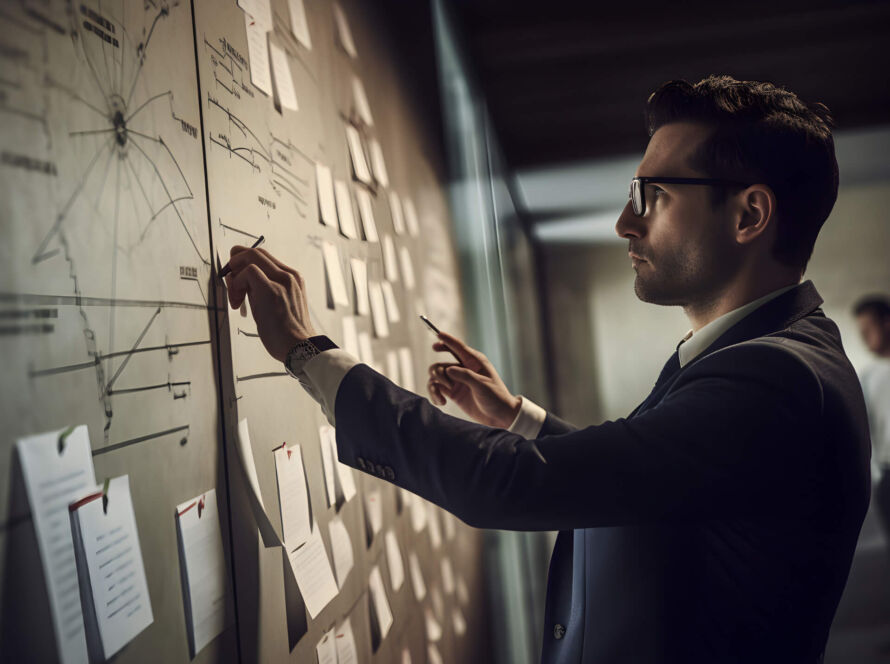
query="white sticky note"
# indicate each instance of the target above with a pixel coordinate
(395, 208)
(392, 305)
(433, 656)
(390, 262)
(313, 573)
(463, 594)
(284, 82)
(346, 650)
(328, 467)
(259, 11)
(416, 577)
(366, 213)
(326, 203)
(326, 649)
(392, 366)
(202, 569)
(110, 571)
(345, 480)
(406, 368)
(433, 628)
(450, 526)
(359, 270)
(411, 220)
(381, 613)
(344, 34)
(458, 620)
(293, 496)
(255, 495)
(394, 560)
(417, 510)
(333, 272)
(54, 475)
(433, 521)
(350, 336)
(341, 548)
(378, 165)
(407, 265)
(447, 576)
(438, 602)
(406, 656)
(378, 310)
(360, 167)
(345, 213)
(366, 353)
(360, 101)
(298, 23)
(373, 512)
(258, 53)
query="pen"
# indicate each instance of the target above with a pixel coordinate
(227, 268)
(435, 331)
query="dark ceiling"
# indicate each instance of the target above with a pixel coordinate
(568, 81)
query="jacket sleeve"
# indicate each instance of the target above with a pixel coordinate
(734, 435)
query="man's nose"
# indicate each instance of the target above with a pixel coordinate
(629, 225)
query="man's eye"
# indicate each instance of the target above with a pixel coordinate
(657, 191)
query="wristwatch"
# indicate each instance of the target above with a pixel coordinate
(304, 351)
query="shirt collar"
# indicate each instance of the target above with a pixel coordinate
(694, 343)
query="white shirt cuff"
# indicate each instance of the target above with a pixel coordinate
(529, 419)
(321, 377)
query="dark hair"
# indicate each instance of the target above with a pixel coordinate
(876, 305)
(766, 135)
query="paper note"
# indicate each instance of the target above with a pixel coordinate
(411, 220)
(366, 213)
(202, 569)
(392, 305)
(417, 509)
(284, 82)
(463, 594)
(366, 353)
(328, 461)
(313, 572)
(392, 366)
(433, 628)
(341, 549)
(394, 560)
(350, 336)
(344, 34)
(433, 656)
(359, 270)
(395, 207)
(416, 577)
(333, 272)
(360, 101)
(298, 23)
(293, 496)
(357, 154)
(458, 620)
(377, 163)
(110, 571)
(326, 204)
(346, 651)
(260, 11)
(437, 602)
(345, 480)
(255, 495)
(433, 520)
(326, 650)
(450, 528)
(57, 468)
(258, 53)
(381, 614)
(378, 309)
(345, 213)
(406, 656)
(406, 368)
(447, 576)
(373, 512)
(390, 262)
(407, 265)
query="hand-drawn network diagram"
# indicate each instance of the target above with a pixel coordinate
(105, 218)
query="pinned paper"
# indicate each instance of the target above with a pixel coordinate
(57, 468)
(344, 34)
(366, 213)
(392, 366)
(298, 23)
(417, 508)
(406, 368)
(366, 353)
(411, 217)
(447, 576)
(335, 282)
(416, 577)
(357, 154)
(433, 656)
(433, 520)
(284, 82)
(395, 207)
(463, 595)
(258, 53)
(360, 101)
(293, 496)
(394, 560)
(407, 265)
(433, 628)
(381, 614)
(373, 513)
(377, 163)
(350, 336)
(326, 650)
(360, 283)
(327, 461)
(345, 213)
(458, 620)
(326, 203)
(346, 651)
(255, 495)
(450, 528)
(390, 262)
(378, 309)
(345, 480)
(438, 602)
(389, 299)
(259, 11)
(202, 569)
(312, 570)
(110, 571)
(406, 656)
(341, 546)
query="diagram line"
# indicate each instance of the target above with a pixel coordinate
(269, 374)
(82, 301)
(55, 84)
(130, 354)
(140, 439)
(169, 385)
(114, 245)
(146, 103)
(38, 373)
(169, 152)
(141, 52)
(87, 132)
(238, 230)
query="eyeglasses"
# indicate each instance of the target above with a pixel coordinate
(638, 198)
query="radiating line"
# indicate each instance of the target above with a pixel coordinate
(130, 354)
(132, 441)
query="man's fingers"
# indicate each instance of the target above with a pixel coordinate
(467, 355)
(248, 280)
(463, 375)
(436, 392)
(437, 372)
(282, 266)
(257, 257)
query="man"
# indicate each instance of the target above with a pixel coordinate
(873, 317)
(717, 522)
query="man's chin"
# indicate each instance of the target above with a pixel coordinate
(654, 293)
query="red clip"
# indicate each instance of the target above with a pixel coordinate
(200, 506)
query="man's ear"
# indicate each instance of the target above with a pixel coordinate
(757, 212)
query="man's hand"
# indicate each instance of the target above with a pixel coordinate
(277, 296)
(475, 386)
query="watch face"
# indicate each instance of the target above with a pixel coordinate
(298, 355)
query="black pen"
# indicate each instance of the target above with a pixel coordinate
(228, 268)
(435, 331)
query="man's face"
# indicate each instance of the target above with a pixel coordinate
(681, 248)
(875, 332)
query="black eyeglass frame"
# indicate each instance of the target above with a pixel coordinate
(638, 198)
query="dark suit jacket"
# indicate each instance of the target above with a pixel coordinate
(716, 523)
